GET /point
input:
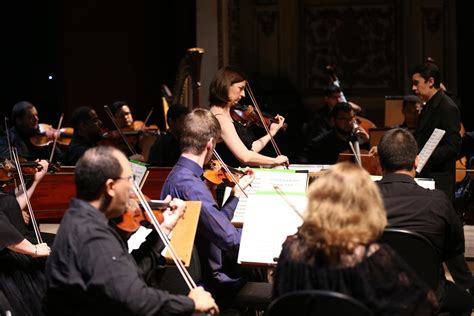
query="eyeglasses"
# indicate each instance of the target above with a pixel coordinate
(129, 178)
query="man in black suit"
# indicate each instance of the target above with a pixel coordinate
(439, 111)
(427, 212)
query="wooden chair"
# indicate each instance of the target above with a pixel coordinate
(316, 302)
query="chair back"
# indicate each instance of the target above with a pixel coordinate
(5, 308)
(417, 251)
(316, 302)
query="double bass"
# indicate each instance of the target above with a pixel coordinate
(362, 122)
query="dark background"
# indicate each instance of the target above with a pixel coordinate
(97, 52)
(102, 51)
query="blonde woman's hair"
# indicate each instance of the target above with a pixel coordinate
(344, 210)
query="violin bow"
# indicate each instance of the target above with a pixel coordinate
(260, 115)
(16, 160)
(356, 152)
(109, 113)
(226, 168)
(56, 138)
(7, 133)
(283, 195)
(147, 118)
(179, 264)
(335, 80)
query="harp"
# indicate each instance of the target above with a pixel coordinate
(188, 79)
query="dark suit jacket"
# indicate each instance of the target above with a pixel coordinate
(441, 112)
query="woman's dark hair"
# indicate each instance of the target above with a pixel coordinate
(223, 79)
(94, 168)
(117, 105)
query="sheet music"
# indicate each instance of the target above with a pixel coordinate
(267, 217)
(306, 167)
(138, 238)
(139, 171)
(426, 183)
(287, 180)
(267, 224)
(429, 147)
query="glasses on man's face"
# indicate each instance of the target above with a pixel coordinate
(129, 178)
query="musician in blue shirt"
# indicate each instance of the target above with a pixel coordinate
(215, 232)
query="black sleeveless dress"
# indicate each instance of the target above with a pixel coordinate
(246, 135)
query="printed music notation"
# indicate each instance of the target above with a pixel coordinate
(267, 217)
(429, 147)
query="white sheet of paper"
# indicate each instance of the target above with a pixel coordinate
(267, 224)
(429, 147)
(267, 217)
(426, 183)
(138, 238)
(306, 167)
(288, 180)
(138, 170)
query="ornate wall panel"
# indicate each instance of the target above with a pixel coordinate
(361, 40)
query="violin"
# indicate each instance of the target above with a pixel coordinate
(135, 130)
(139, 127)
(247, 116)
(216, 174)
(46, 134)
(9, 172)
(134, 216)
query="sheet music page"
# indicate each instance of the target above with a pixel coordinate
(306, 167)
(426, 183)
(139, 170)
(268, 219)
(287, 180)
(138, 238)
(429, 147)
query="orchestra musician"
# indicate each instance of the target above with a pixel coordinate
(225, 91)
(326, 148)
(122, 113)
(21, 264)
(215, 233)
(336, 248)
(90, 271)
(87, 134)
(428, 212)
(25, 124)
(137, 134)
(165, 151)
(411, 107)
(322, 120)
(438, 111)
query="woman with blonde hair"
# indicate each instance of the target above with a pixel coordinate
(336, 248)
